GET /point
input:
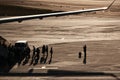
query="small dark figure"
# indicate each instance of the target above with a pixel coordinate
(84, 48)
(38, 50)
(33, 56)
(36, 56)
(51, 51)
(46, 49)
(27, 56)
(28, 52)
(34, 50)
(80, 54)
(43, 49)
(38, 53)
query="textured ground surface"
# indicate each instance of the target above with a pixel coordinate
(67, 35)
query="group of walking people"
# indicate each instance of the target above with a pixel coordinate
(41, 55)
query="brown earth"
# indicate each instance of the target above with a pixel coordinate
(67, 35)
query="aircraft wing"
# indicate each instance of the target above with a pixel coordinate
(41, 16)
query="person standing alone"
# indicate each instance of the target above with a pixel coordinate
(84, 49)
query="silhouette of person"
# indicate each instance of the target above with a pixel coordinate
(43, 50)
(38, 53)
(33, 56)
(80, 54)
(46, 49)
(28, 52)
(51, 52)
(84, 49)
(34, 50)
(27, 56)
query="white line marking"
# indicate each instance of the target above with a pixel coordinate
(44, 68)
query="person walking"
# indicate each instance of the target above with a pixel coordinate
(46, 50)
(84, 49)
(51, 52)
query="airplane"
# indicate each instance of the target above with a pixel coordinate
(41, 16)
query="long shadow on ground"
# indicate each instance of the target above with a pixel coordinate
(61, 73)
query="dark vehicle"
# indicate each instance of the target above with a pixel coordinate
(21, 46)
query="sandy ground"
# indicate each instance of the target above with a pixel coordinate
(59, 5)
(55, 30)
(67, 35)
